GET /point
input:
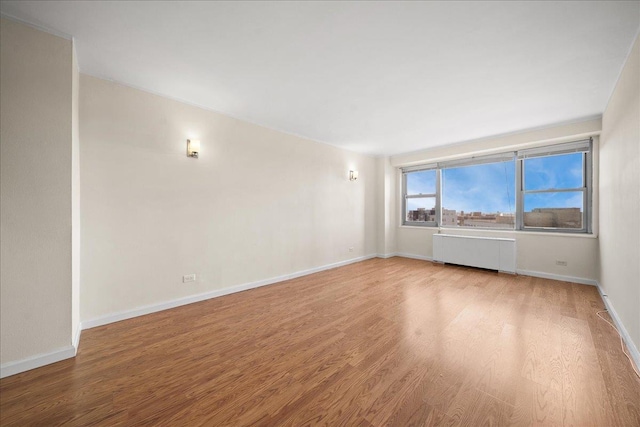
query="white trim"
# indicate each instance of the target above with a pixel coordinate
(633, 350)
(141, 311)
(37, 361)
(571, 279)
(516, 233)
(76, 339)
(405, 255)
(385, 256)
(412, 256)
(13, 368)
(552, 276)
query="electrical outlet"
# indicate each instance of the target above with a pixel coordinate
(350, 249)
(188, 278)
(562, 263)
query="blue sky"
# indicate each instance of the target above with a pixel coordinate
(491, 187)
(485, 188)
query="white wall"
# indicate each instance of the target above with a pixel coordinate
(620, 197)
(257, 204)
(537, 253)
(35, 196)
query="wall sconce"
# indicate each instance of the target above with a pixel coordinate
(353, 175)
(193, 148)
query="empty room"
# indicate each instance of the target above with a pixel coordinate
(290, 213)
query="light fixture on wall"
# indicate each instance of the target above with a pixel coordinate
(353, 175)
(193, 148)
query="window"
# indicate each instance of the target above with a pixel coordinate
(420, 197)
(546, 188)
(556, 188)
(479, 195)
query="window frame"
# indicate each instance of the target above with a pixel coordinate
(519, 157)
(406, 196)
(586, 148)
(476, 161)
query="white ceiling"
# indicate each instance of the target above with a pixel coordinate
(374, 77)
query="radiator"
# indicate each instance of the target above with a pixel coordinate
(484, 252)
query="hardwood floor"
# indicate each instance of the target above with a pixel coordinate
(382, 342)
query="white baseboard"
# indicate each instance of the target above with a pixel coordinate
(385, 256)
(413, 256)
(36, 361)
(76, 339)
(405, 255)
(633, 350)
(141, 311)
(13, 368)
(571, 279)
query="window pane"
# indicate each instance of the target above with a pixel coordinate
(421, 182)
(421, 209)
(557, 209)
(547, 173)
(479, 195)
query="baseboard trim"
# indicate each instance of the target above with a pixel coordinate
(153, 308)
(413, 256)
(13, 368)
(540, 274)
(76, 339)
(571, 279)
(385, 256)
(405, 255)
(37, 361)
(633, 350)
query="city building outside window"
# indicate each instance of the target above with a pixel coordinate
(420, 205)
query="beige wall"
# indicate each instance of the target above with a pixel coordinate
(526, 139)
(387, 220)
(35, 197)
(537, 253)
(620, 197)
(75, 197)
(257, 204)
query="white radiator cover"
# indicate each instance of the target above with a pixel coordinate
(485, 252)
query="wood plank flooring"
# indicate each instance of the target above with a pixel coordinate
(394, 342)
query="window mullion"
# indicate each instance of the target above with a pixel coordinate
(519, 194)
(438, 198)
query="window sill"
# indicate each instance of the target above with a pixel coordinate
(444, 230)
